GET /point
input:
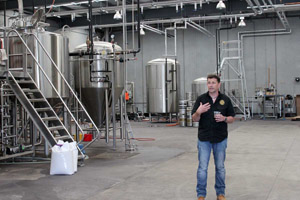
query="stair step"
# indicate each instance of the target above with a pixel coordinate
(63, 137)
(31, 90)
(53, 128)
(37, 100)
(9, 126)
(43, 109)
(24, 81)
(49, 118)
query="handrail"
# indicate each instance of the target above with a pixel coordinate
(65, 82)
(53, 87)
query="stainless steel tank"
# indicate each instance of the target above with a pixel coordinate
(92, 81)
(199, 86)
(58, 48)
(162, 87)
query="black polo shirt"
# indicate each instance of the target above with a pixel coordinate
(209, 129)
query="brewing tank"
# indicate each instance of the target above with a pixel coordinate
(162, 79)
(93, 78)
(58, 48)
(199, 86)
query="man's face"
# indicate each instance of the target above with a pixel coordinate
(213, 85)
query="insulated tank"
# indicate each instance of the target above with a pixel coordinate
(91, 81)
(162, 85)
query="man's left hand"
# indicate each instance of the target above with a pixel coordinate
(219, 118)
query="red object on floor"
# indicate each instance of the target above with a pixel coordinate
(88, 137)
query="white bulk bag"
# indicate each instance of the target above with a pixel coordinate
(62, 159)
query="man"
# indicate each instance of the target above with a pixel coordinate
(213, 110)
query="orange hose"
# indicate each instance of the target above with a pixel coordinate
(172, 124)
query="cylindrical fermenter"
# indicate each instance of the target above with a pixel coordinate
(162, 77)
(93, 80)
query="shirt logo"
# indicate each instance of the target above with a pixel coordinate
(222, 102)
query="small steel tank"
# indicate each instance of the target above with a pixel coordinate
(91, 81)
(199, 86)
(162, 87)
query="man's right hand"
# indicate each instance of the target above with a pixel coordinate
(203, 108)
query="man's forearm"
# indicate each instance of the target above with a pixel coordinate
(196, 117)
(230, 119)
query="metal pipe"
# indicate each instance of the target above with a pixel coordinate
(128, 7)
(91, 28)
(138, 29)
(200, 28)
(121, 118)
(21, 8)
(107, 117)
(113, 100)
(123, 105)
(177, 20)
(252, 6)
(259, 6)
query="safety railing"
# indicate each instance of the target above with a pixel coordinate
(48, 79)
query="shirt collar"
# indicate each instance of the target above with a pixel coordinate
(219, 96)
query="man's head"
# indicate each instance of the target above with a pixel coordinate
(213, 83)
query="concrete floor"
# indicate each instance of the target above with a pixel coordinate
(263, 163)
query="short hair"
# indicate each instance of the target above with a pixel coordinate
(209, 76)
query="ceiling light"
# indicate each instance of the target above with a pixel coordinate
(181, 6)
(142, 9)
(242, 23)
(73, 17)
(195, 6)
(117, 15)
(142, 32)
(201, 3)
(176, 7)
(221, 5)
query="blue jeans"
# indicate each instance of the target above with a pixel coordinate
(219, 152)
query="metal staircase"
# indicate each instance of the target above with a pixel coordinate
(36, 105)
(231, 58)
(39, 110)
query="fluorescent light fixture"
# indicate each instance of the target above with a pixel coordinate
(201, 1)
(195, 6)
(142, 9)
(117, 15)
(221, 5)
(142, 32)
(177, 8)
(242, 22)
(181, 5)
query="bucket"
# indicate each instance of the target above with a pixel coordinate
(88, 137)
